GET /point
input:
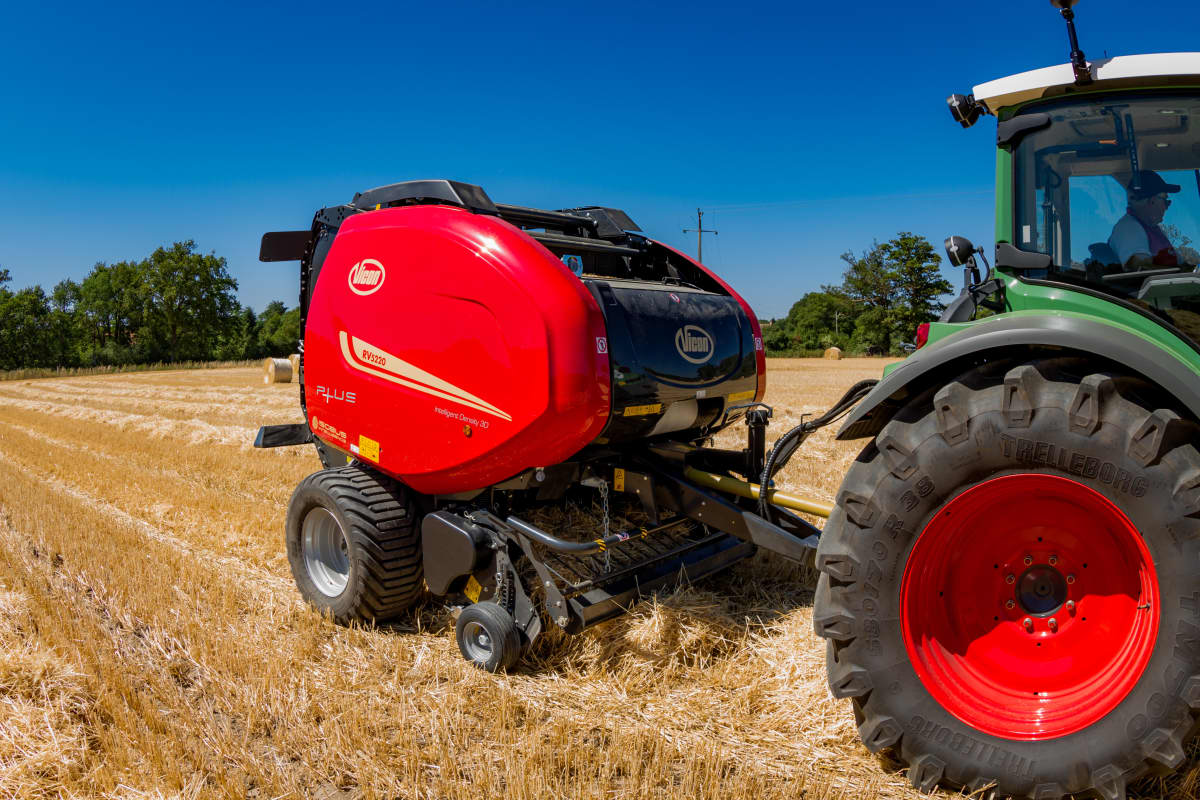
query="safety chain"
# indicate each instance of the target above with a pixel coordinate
(607, 520)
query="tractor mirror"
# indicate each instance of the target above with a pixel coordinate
(959, 250)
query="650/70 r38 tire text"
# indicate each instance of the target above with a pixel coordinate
(353, 543)
(1010, 587)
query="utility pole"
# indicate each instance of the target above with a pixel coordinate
(700, 231)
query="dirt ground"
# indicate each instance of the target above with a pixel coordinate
(152, 643)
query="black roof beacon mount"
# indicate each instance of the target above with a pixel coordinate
(1083, 75)
(964, 109)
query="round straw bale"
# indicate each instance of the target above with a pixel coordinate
(277, 370)
(834, 353)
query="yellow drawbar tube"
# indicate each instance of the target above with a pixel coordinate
(724, 483)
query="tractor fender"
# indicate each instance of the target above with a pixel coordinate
(1004, 337)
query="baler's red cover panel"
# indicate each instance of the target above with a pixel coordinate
(452, 350)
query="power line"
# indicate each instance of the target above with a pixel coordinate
(700, 231)
(849, 197)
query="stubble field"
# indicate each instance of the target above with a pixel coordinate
(152, 643)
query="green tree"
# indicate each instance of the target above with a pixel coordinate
(822, 319)
(239, 341)
(917, 283)
(895, 286)
(867, 280)
(7, 345)
(777, 337)
(190, 300)
(111, 312)
(26, 337)
(278, 330)
(873, 333)
(64, 302)
(868, 283)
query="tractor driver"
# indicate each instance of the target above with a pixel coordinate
(1137, 240)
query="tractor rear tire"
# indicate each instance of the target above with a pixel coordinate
(1010, 587)
(353, 542)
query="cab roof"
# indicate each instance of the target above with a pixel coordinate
(1160, 69)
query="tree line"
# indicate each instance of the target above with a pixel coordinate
(174, 305)
(179, 305)
(885, 294)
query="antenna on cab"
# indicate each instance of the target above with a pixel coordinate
(1083, 75)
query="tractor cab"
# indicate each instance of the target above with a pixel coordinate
(1102, 180)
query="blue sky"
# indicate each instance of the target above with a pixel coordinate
(804, 130)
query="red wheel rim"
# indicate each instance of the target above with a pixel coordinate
(1029, 606)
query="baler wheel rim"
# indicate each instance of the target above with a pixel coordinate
(326, 552)
(477, 642)
(487, 637)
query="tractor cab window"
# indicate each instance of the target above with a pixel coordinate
(1110, 189)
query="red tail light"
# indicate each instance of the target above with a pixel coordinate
(922, 335)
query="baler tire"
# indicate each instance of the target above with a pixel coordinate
(1036, 429)
(381, 531)
(502, 648)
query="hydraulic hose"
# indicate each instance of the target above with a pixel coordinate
(786, 445)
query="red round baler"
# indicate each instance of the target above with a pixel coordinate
(469, 365)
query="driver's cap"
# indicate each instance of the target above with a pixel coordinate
(1150, 184)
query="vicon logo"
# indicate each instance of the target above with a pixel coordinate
(366, 277)
(694, 343)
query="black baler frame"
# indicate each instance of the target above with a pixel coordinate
(692, 532)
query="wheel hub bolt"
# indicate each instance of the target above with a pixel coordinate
(1011, 579)
(1028, 623)
(1028, 560)
(1070, 579)
(1053, 560)
(1053, 624)
(1009, 605)
(1071, 606)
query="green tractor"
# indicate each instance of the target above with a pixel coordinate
(1010, 583)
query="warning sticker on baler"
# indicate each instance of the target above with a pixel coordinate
(642, 411)
(738, 397)
(368, 448)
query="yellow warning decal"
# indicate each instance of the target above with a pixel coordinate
(368, 448)
(619, 480)
(642, 411)
(473, 589)
(738, 397)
